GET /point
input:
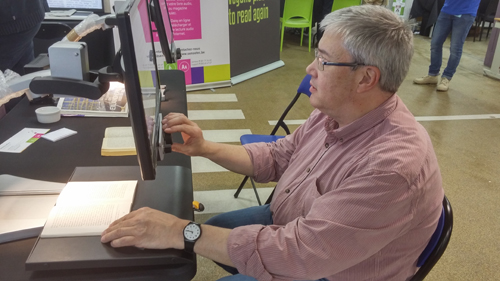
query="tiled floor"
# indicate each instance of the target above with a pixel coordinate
(467, 147)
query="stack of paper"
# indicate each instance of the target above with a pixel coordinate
(24, 216)
(25, 205)
(59, 134)
(12, 185)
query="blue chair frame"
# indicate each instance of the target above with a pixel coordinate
(251, 138)
(438, 243)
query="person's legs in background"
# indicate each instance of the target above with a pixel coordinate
(461, 27)
(441, 31)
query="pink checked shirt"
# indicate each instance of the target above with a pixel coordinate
(352, 203)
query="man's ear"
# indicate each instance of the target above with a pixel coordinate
(370, 78)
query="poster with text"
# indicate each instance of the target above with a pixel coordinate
(254, 32)
(197, 29)
(202, 34)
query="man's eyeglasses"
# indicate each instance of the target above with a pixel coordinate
(322, 62)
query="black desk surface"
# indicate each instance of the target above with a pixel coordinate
(56, 161)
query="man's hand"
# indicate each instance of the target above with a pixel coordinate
(191, 134)
(146, 228)
(232, 157)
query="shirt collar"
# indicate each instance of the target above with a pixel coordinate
(362, 124)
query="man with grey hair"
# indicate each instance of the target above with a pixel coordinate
(359, 190)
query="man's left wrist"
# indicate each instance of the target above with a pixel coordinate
(179, 229)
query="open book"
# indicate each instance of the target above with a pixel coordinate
(118, 141)
(88, 208)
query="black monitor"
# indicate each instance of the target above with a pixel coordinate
(142, 86)
(96, 6)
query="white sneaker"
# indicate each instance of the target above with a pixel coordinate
(444, 85)
(426, 80)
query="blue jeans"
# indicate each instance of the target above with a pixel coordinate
(253, 215)
(459, 28)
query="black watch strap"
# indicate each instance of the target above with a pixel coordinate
(189, 246)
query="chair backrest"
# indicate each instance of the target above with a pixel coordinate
(491, 10)
(438, 243)
(298, 9)
(339, 4)
(482, 7)
(303, 89)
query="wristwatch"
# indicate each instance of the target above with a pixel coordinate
(192, 233)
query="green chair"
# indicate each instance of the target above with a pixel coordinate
(339, 4)
(297, 14)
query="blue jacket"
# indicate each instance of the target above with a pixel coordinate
(20, 15)
(461, 7)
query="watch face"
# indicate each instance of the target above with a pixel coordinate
(192, 232)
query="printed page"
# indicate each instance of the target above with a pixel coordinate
(83, 220)
(118, 132)
(87, 208)
(118, 143)
(97, 191)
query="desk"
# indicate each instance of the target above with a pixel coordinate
(45, 160)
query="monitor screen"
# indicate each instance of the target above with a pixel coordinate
(81, 5)
(140, 76)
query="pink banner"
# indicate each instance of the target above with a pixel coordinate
(185, 16)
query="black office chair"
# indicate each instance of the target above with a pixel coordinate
(251, 138)
(485, 14)
(438, 243)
